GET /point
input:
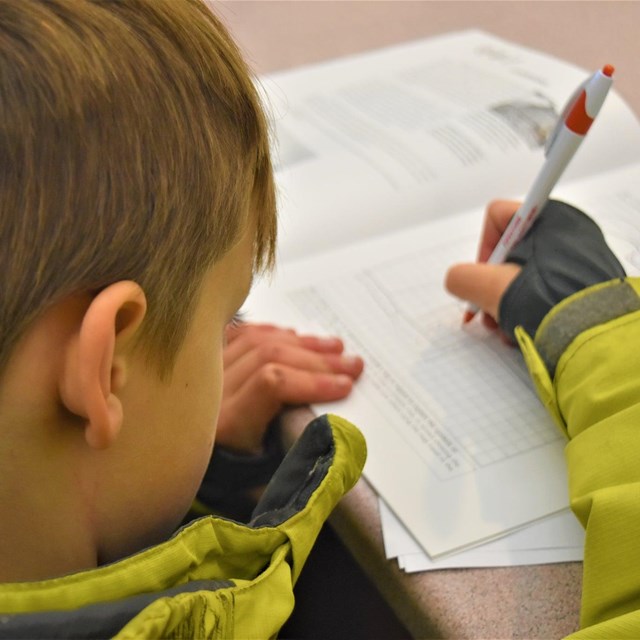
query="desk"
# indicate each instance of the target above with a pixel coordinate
(532, 602)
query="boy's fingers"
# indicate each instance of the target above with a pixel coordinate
(277, 384)
(481, 284)
(498, 215)
(322, 344)
(264, 394)
(251, 337)
(289, 355)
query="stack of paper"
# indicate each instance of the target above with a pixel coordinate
(558, 538)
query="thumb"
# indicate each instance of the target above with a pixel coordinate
(481, 284)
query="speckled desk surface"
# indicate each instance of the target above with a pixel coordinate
(518, 602)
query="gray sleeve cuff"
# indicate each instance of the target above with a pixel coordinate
(580, 312)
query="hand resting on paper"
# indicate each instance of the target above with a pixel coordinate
(267, 367)
(562, 253)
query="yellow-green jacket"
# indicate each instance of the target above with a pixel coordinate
(215, 578)
(585, 362)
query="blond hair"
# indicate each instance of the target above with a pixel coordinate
(132, 144)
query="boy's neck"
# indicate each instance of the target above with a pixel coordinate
(40, 543)
(46, 527)
(42, 536)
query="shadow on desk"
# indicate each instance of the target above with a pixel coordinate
(334, 599)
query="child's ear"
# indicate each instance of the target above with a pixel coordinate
(94, 370)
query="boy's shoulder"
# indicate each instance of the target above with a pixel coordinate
(211, 575)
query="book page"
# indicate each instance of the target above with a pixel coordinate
(392, 138)
(459, 445)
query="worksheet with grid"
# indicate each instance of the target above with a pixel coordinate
(468, 388)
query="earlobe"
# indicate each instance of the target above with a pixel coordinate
(95, 367)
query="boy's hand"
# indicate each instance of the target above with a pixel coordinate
(484, 284)
(563, 252)
(265, 368)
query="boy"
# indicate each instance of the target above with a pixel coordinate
(564, 297)
(136, 203)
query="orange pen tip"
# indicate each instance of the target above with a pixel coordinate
(468, 316)
(608, 70)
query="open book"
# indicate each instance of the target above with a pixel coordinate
(385, 164)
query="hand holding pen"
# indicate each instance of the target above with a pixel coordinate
(570, 131)
(482, 283)
(563, 253)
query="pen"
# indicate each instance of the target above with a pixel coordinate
(572, 127)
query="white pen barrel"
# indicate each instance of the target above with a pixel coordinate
(597, 90)
(564, 148)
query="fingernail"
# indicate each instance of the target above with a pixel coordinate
(342, 381)
(351, 361)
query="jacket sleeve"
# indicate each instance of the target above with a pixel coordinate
(585, 363)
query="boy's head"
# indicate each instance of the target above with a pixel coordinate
(136, 201)
(131, 144)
